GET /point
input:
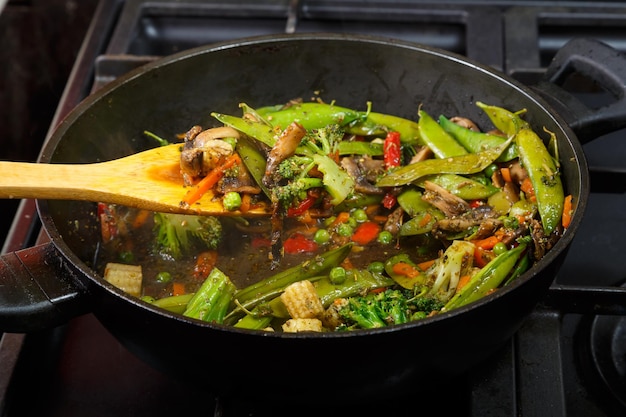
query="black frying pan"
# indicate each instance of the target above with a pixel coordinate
(49, 284)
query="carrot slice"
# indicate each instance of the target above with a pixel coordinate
(365, 233)
(205, 184)
(178, 288)
(568, 210)
(506, 174)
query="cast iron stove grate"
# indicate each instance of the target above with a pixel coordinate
(551, 365)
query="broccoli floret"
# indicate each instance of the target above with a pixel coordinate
(178, 234)
(322, 146)
(295, 191)
(377, 309)
(295, 167)
(392, 306)
(324, 141)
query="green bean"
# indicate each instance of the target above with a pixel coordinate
(438, 140)
(462, 164)
(507, 122)
(463, 187)
(544, 176)
(311, 115)
(477, 141)
(488, 278)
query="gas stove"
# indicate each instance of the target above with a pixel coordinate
(568, 359)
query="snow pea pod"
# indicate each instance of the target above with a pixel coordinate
(490, 277)
(544, 176)
(378, 124)
(504, 120)
(477, 141)
(437, 139)
(311, 115)
(254, 161)
(463, 164)
(258, 130)
(463, 187)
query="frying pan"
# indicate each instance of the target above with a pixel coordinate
(49, 284)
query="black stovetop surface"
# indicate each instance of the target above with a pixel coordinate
(547, 369)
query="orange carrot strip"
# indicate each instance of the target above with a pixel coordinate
(506, 174)
(365, 233)
(205, 184)
(408, 270)
(527, 187)
(487, 243)
(341, 218)
(141, 218)
(426, 264)
(463, 281)
(178, 288)
(568, 210)
(425, 220)
(245, 203)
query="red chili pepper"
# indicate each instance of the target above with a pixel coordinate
(389, 200)
(303, 206)
(392, 153)
(298, 243)
(365, 233)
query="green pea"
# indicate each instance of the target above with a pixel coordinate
(344, 229)
(127, 257)
(499, 248)
(337, 275)
(385, 237)
(232, 201)
(321, 236)
(376, 267)
(351, 222)
(330, 220)
(163, 277)
(359, 215)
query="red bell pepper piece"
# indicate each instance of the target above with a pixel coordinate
(298, 243)
(392, 152)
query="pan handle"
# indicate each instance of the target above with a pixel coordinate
(587, 299)
(38, 290)
(601, 64)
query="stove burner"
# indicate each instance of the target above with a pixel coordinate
(603, 360)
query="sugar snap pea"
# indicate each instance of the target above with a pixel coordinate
(438, 140)
(463, 164)
(490, 277)
(311, 115)
(268, 288)
(544, 176)
(504, 120)
(463, 187)
(258, 130)
(477, 141)
(378, 124)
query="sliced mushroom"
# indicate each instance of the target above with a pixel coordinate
(284, 147)
(444, 200)
(203, 150)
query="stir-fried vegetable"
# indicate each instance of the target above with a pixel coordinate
(377, 220)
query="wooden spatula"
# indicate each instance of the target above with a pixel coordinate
(149, 180)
